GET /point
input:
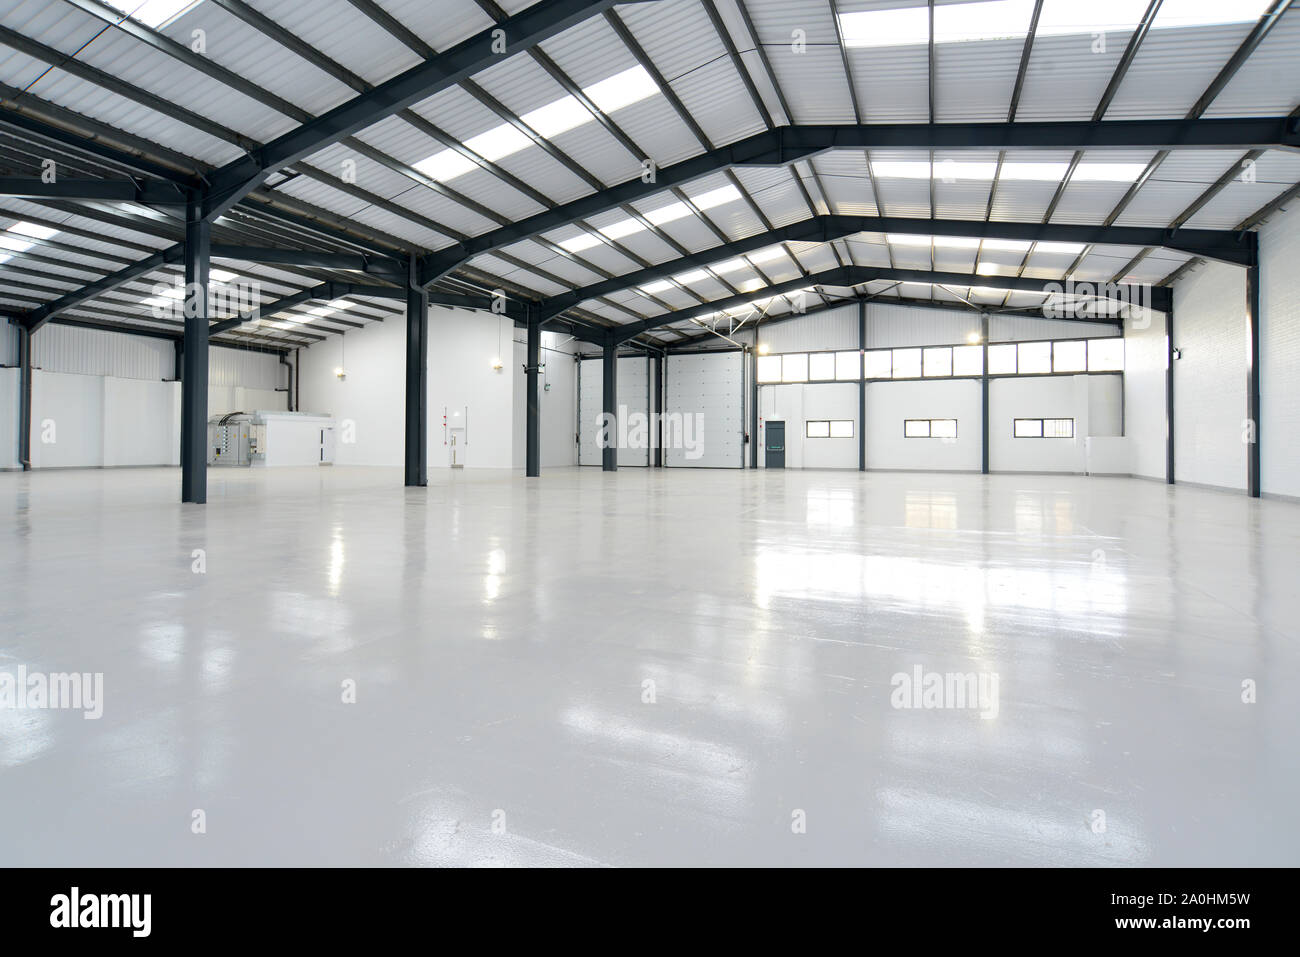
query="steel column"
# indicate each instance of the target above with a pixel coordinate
(609, 404)
(1169, 397)
(649, 406)
(984, 398)
(658, 435)
(532, 368)
(1252, 381)
(417, 380)
(194, 378)
(25, 398)
(862, 385)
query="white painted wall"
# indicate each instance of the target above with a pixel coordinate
(1279, 350)
(109, 399)
(557, 397)
(1144, 395)
(67, 420)
(889, 403)
(1050, 397)
(142, 422)
(464, 389)
(795, 404)
(9, 379)
(370, 404)
(1210, 378)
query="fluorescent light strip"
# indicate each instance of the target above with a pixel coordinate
(567, 113)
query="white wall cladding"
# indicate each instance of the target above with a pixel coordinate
(238, 367)
(1144, 395)
(890, 325)
(833, 329)
(9, 380)
(1019, 329)
(1210, 378)
(1279, 348)
(59, 348)
(8, 344)
(711, 385)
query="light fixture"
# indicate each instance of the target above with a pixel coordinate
(340, 373)
(497, 364)
(974, 338)
(763, 349)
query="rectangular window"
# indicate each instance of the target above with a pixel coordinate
(880, 364)
(1035, 357)
(769, 369)
(821, 366)
(1043, 428)
(1106, 355)
(794, 367)
(907, 363)
(968, 360)
(930, 428)
(848, 365)
(1070, 356)
(1002, 359)
(828, 429)
(937, 362)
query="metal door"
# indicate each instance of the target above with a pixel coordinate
(774, 444)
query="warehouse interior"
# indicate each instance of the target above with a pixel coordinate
(667, 432)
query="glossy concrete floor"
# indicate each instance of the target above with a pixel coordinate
(500, 633)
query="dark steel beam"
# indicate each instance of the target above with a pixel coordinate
(531, 26)
(271, 255)
(194, 382)
(105, 190)
(851, 276)
(1226, 245)
(417, 381)
(785, 145)
(39, 316)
